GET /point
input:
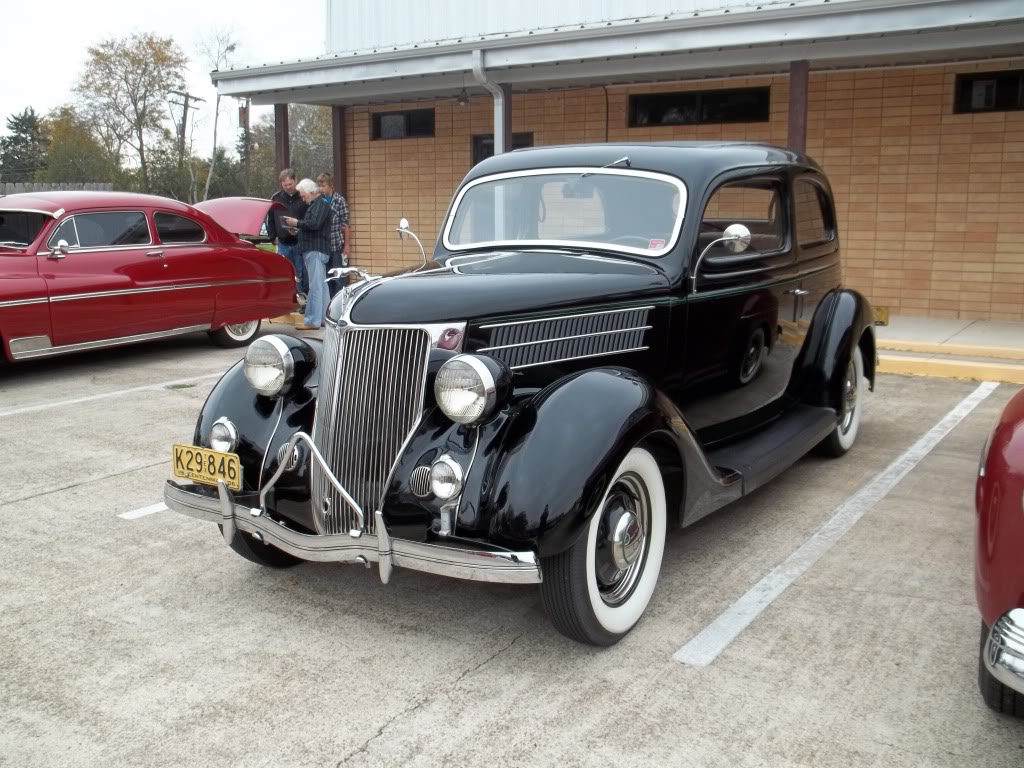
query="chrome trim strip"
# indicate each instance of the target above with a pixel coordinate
(475, 565)
(567, 338)
(567, 317)
(162, 288)
(579, 357)
(590, 171)
(55, 214)
(113, 342)
(23, 302)
(26, 344)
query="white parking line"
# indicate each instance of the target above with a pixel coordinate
(135, 514)
(707, 645)
(103, 395)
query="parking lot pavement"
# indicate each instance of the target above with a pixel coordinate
(146, 642)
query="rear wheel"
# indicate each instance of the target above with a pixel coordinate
(844, 435)
(236, 334)
(255, 551)
(996, 695)
(596, 591)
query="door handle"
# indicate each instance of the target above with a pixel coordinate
(155, 254)
(798, 291)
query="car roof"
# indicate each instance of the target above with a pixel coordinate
(693, 161)
(52, 202)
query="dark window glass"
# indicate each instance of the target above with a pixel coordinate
(757, 203)
(410, 124)
(20, 227)
(178, 229)
(483, 144)
(66, 231)
(737, 105)
(103, 230)
(813, 219)
(990, 92)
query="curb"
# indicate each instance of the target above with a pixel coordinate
(960, 350)
(951, 368)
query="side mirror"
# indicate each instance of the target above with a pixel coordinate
(403, 227)
(403, 230)
(736, 238)
(60, 251)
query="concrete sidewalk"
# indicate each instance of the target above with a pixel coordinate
(959, 349)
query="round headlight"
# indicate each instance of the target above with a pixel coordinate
(269, 365)
(467, 387)
(223, 435)
(445, 478)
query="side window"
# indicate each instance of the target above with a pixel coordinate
(813, 217)
(103, 230)
(66, 231)
(756, 203)
(171, 228)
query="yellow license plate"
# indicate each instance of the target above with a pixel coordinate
(206, 466)
(881, 315)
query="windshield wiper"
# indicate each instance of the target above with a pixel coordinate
(620, 161)
(14, 243)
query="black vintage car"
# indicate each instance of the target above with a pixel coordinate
(609, 340)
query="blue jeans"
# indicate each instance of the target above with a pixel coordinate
(317, 295)
(291, 252)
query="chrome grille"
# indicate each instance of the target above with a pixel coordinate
(372, 385)
(593, 334)
(419, 482)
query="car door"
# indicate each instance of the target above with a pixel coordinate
(103, 287)
(740, 328)
(191, 268)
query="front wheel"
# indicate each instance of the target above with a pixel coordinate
(844, 435)
(596, 591)
(235, 334)
(997, 696)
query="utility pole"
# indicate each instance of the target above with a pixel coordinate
(243, 120)
(184, 122)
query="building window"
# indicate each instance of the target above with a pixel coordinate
(990, 92)
(483, 144)
(736, 105)
(410, 124)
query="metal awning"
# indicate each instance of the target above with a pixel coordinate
(720, 43)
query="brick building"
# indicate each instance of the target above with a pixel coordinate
(915, 108)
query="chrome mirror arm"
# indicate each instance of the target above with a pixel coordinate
(737, 234)
(696, 266)
(403, 229)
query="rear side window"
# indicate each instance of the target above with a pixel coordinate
(103, 230)
(171, 228)
(813, 218)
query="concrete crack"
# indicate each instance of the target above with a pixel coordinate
(365, 746)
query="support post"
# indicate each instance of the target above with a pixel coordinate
(282, 145)
(338, 144)
(798, 77)
(502, 118)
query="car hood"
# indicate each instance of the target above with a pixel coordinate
(508, 282)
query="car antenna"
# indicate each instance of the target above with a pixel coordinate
(620, 161)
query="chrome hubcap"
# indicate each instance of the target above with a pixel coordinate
(622, 540)
(240, 330)
(849, 397)
(752, 360)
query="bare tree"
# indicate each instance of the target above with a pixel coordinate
(217, 51)
(123, 87)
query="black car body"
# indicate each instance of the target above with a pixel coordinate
(613, 356)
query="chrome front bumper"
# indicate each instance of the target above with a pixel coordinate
(476, 565)
(1004, 650)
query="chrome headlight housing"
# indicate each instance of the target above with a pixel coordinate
(469, 388)
(224, 435)
(269, 365)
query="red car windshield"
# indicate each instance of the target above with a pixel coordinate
(20, 228)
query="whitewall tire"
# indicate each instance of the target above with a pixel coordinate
(236, 334)
(851, 408)
(597, 590)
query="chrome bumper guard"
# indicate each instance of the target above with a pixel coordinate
(475, 565)
(1004, 650)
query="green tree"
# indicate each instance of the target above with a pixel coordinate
(312, 151)
(124, 87)
(76, 154)
(23, 152)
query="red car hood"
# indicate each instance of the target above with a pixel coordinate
(239, 215)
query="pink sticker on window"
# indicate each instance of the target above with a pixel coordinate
(655, 245)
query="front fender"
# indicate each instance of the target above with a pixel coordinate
(547, 468)
(842, 320)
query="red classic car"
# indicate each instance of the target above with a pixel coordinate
(999, 572)
(80, 270)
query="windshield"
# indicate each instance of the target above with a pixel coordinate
(20, 228)
(611, 209)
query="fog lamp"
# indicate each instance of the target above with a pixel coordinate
(445, 478)
(223, 435)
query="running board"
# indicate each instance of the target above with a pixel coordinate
(768, 452)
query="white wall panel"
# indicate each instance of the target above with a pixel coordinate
(360, 25)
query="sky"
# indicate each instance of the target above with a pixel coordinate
(46, 43)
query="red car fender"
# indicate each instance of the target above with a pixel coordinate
(999, 501)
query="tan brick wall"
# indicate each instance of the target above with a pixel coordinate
(930, 203)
